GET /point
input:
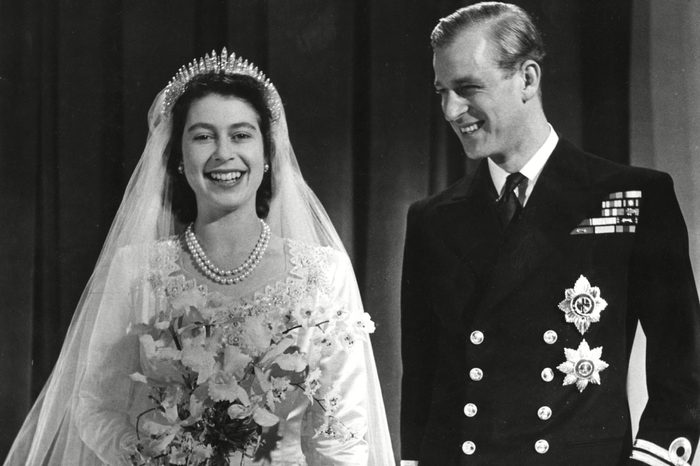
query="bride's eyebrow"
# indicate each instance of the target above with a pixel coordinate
(209, 126)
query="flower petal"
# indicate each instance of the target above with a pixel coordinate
(264, 417)
(138, 377)
(291, 362)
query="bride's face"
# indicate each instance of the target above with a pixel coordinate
(223, 154)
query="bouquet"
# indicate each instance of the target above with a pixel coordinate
(215, 371)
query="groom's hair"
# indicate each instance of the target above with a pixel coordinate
(511, 29)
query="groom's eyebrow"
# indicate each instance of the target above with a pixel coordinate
(457, 82)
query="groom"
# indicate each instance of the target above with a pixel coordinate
(523, 284)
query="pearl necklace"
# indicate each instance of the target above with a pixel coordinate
(233, 276)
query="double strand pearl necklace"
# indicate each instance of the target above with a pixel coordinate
(233, 276)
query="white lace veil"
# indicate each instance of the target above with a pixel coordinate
(49, 434)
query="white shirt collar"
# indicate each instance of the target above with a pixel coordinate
(532, 168)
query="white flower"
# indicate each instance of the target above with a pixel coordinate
(177, 456)
(332, 428)
(183, 295)
(294, 362)
(199, 360)
(235, 362)
(304, 315)
(331, 400)
(261, 416)
(202, 452)
(275, 350)
(312, 383)
(339, 314)
(256, 334)
(225, 387)
(582, 304)
(160, 436)
(347, 339)
(364, 323)
(264, 417)
(278, 390)
(238, 411)
(582, 365)
(325, 344)
(159, 362)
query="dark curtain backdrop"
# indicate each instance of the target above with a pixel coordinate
(77, 78)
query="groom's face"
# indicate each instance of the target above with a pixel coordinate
(482, 103)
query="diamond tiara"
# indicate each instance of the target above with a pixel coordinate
(224, 64)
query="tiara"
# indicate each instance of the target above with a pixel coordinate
(224, 64)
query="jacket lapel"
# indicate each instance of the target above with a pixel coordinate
(469, 222)
(560, 199)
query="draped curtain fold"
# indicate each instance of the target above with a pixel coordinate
(77, 78)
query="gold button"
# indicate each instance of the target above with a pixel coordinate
(470, 410)
(476, 374)
(468, 447)
(547, 374)
(550, 337)
(477, 337)
(541, 446)
(544, 413)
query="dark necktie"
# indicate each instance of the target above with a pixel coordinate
(508, 205)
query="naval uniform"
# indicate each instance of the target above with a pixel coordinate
(516, 340)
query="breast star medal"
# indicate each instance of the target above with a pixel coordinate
(582, 304)
(582, 366)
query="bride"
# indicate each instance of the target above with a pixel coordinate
(217, 233)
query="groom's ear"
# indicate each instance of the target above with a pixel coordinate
(531, 75)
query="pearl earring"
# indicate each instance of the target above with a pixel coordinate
(181, 168)
(266, 168)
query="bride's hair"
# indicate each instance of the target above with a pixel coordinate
(243, 87)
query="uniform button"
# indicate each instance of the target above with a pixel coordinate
(477, 337)
(550, 337)
(541, 446)
(547, 374)
(470, 410)
(468, 447)
(544, 413)
(476, 374)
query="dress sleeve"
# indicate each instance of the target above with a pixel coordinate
(346, 371)
(662, 291)
(106, 392)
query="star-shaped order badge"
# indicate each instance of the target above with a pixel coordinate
(582, 304)
(582, 366)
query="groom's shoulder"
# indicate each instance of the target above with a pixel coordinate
(453, 192)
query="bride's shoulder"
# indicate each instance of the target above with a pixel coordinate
(308, 258)
(159, 255)
(302, 253)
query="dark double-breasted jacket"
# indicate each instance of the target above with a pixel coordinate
(516, 343)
